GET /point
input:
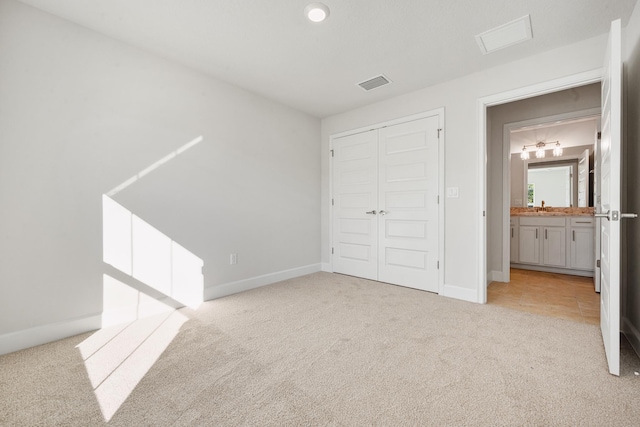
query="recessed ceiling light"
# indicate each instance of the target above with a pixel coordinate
(316, 12)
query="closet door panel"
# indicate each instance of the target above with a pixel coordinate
(355, 192)
(408, 204)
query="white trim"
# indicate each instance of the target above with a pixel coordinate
(220, 291)
(387, 123)
(556, 85)
(457, 292)
(38, 335)
(559, 270)
(497, 276)
(326, 267)
(440, 112)
(632, 334)
(506, 168)
(441, 209)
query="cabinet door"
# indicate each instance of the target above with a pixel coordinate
(529, 244)
(554, 246)
(514, 244)
(582, 248)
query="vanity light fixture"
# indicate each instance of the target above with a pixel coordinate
(557, 150)
(541, 148)
(316, 12)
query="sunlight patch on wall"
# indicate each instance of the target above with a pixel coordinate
(141, 251)
(124, 304)
(154, 166)
(136, 327)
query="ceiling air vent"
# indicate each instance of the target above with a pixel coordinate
(506, 35)
(374, 82)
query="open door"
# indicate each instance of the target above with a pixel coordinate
(610, 200)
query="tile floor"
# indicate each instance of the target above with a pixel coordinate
(550, 294)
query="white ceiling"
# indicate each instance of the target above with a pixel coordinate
(569, 134)
(270, 48)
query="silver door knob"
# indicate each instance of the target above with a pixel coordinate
(371, 212)
(615, 215)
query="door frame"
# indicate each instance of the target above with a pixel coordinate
(580, 79)
(440, 112)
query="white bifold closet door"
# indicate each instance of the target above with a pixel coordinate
(385, 204)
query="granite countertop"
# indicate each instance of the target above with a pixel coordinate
(552, 212)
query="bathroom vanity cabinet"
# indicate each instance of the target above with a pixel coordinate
(554, 243)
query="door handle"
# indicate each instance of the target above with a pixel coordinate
(373, 212)
(615, 215)
(383, 212)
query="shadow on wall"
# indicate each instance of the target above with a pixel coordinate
(139, 319)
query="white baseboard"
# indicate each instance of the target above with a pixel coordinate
(326, 267)
(19, 340)
(632, 334)
(495, 276)
(220, 291)
(460, 293)
(31, 337)
(583, 273)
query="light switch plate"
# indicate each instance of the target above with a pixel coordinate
(452, 192)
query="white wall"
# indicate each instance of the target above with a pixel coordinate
(81, 113)
(460, 99)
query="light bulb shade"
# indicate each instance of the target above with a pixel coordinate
(525, 154)
(557, 150)
(540, 153)
(316, 12)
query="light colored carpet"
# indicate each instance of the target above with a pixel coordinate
(326, 349)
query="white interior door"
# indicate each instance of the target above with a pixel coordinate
(385, 204)
(610, 199)
(355, 204)
(408, 202)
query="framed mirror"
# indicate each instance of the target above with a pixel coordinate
(554, 182)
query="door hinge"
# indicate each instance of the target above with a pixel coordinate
(439, 130)
(438, 265)
(331, 251)
(332, 202)
(484, 213)
(438, 199)
(598, 263)
(599, 135)
(331, 153)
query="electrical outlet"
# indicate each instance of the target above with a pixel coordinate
(233, 259)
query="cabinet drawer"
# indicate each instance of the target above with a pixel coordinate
(583, 222)
(543, 221)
